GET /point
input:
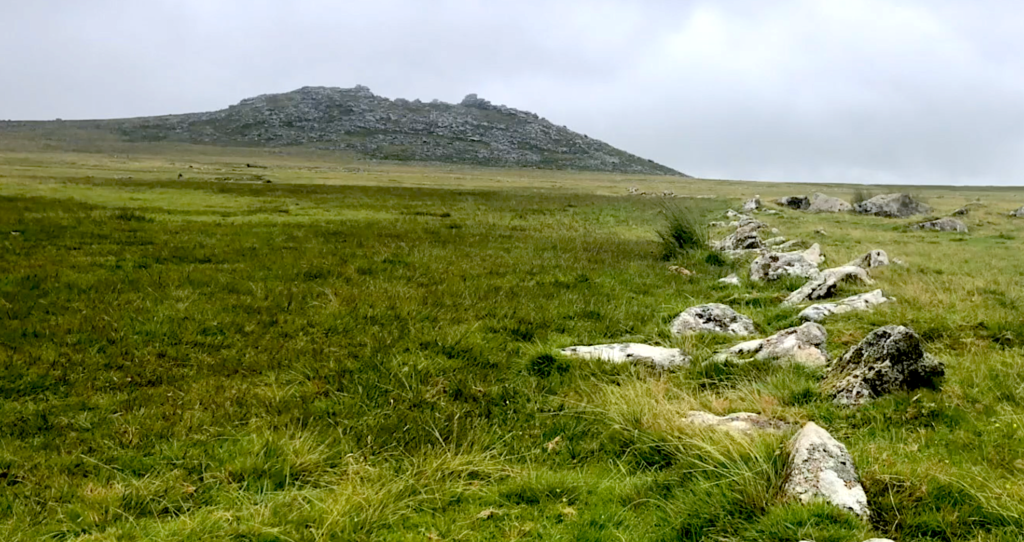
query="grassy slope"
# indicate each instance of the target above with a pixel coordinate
(363, 351)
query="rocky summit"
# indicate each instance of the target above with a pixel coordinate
(356, 120)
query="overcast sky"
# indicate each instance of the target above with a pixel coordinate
(911, 91)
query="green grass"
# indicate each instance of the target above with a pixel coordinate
(354, 358)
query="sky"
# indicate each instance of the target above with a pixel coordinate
(863, 91)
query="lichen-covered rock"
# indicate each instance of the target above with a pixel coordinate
(740, 422)
(892, 206)
(1019, 213)
(752, 204)
(799, 203)
(804, 345)
(820, 203)
(871, 260)
(775, 265)
(943, 224)
(860, 302)
(656, 356)
(713, 317)
(888, 360)
(746, 237)
(824, 285)
(821, 469)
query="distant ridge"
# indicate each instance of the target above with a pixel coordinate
(356, 120)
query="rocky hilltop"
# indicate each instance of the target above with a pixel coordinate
(474, 131)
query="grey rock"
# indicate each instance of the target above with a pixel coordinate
(963, 211)
(771, 212)
(787, 245)
(772, 266)
(871, 260)
(804, 345)
(799, 203)
(752, 204)
(717, 224)
(739, 422)
(888, 360)
(733, 214)
(942, 224)
(656, 356)
(892, 206)
(1019, 213)
(821, 469)
(820, 203)
(824, 285)
(732, 280)
(774, 241)
(859, 302)
(713, 317)
(746, 237)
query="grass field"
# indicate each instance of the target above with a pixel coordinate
(368, 351)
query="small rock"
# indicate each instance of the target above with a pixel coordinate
(733, 214)
(820, 203)
(892, 206)
(1019, 213)
(799, 203)
(772, 266)
(804, 345)
(746, 237)
(717, 224)
(860, 302)
(775, 231)
(713, 317)
(821, 232)
(824, 285)
(889, 359)
(963, 211)
(774, 241)
(752, 204)
(942, 224)
(820, 468)
(871, 260)
(740, 422)
(771, 212)
(661, 358)
(787, 245)
(731, 280)
(680, 270)
(634, 190)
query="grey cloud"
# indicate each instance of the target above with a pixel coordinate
(860, 91)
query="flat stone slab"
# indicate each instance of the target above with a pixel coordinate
(942, 224)
(821, 469)
(713, 317)
(824, 285)
(740, 422)
(859, 302)
(804, 345)
(657, 356)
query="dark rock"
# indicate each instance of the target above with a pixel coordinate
(799, 203)
(888, 360)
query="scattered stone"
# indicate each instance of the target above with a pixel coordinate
(740, 422)
(774, 241)
(680, 270)
(656, 356)
(1019, 213)
(860, 302)
(713, 317)
(820, 468)
(942, 224)
(733, 214)
(892, 206)
(746, 237)
(668, 194)
(820, 203)
(732, 280)
(821, 231)
(963, 211)
(775, 231)
(871, 260)
(787, 245)
(824, 285)
(717, 224)
(804, 345)
(771, 212)
(634, 190)
(888, 360)
(799, 203)
(772, 266)
(752, 204)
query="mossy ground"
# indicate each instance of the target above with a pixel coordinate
(367, 351)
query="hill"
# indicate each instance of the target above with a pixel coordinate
(474, 131)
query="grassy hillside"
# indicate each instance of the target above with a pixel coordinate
(368, 351)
